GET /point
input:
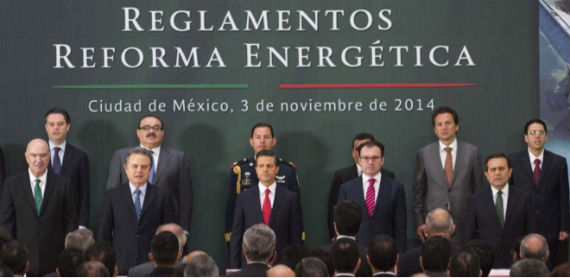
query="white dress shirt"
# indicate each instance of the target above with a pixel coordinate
(43, 180)
(443, 153)
(365, 185)
(262, 188)
(505, 194)
(533, 158)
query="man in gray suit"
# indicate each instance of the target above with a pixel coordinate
(447, 173)
(169, 170)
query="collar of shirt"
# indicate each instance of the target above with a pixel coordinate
(358, 169)
(443, 153)
(262, 188)
(345, 236)
(365, 184)
(155, 153)
(383, 272)
(532, 158)
(61, 152)
(505, 195)
(344, 274)
(42, 178)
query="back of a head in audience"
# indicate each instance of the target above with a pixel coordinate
(345, 256)
(177, 231)
(436, 251)
(92, 269)
(259, 243)
(164, 249)
(529, 268)
(201, 265)
(80, 239)
(15, 257)
(293, 254)
(440, 223)
(5, 237)
(465, 264)
(485, 253)
(562, 270)
(347, 216)
(69, 260)
(103, 252)
(534, 246)
(382, 254)
(280, 270)
(311, 267)
(324, 256)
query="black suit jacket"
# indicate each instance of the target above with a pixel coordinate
(119, 226)
(75, 166)
(389, 215)
(409, 263)
(42, 234)
(342, 176)
(2, 169)
(161, 272)
(364, 270)
(252, 270)
(483, 222)
(286, 220)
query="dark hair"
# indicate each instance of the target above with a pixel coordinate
(324, 256)
(93, 269)
(5, 237)
(362, 136)
(268, 153)
(103, 252)
(347, 216)
(444, 110)
(164, 248)
(464, 264)
(529, 268)
(485, 253)
(382, 252)
(436, 251)
(262, 125)
(345, 255)
(293, 253)
(68, 262)
(497, 155)
(61, 111)
(371, 144)
(311, 267)
(534, 121)
(15, 257)
(150, 116)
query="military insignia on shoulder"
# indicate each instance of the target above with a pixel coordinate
(233, 164)
(292, 165)
(280, 179)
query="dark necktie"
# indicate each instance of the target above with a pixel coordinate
(138, 206)
(370, 195)
(266, 207)
(56, 161)
(152, 168)
(536, 171)
(38, 196)
(499, 207)
(448, 165)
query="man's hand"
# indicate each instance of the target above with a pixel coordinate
(421, 232)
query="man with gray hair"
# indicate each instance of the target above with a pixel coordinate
(201, 265)
(529, 268)
(80, 239)
(534, 246)
(258, 246)
(439, 223)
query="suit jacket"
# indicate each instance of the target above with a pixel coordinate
(409, 263)
(389, 215)
(173, 173)
(2, 169)
(161, 272)
(550, 198)
(286, 221)
(341, 176)
(75, 166)
(42, 234)
(119, 226)
(145, 269)
(252, 270)
(364, 270)
(432, 190)
(483, 222)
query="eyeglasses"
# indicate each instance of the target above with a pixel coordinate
(536, 132)
(370, 158)
(149, 128)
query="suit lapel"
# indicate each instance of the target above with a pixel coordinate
(490, 204)
(149, 197)
(163, 158)
(458, 162)
(382, 191)
(360, 196)
(528, 167)
(354, 169)
(546, 166)
(67, 154)
(28, 191)
(276, 203)
(439, 164)
(512, 201)
(125, 193)
(254, 199)
(50, 185)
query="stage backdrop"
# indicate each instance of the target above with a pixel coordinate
(318, 71)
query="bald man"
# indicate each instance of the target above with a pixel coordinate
(38, 208)
(280, 270)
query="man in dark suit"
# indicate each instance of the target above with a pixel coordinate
(276, 206)
(499, 214)
(346, 259)
(381, 199)
(547, 185)
(67, 160)
(383, 256)
(133, 211)
(170, 168)
(258, 247)
(164, 251)
(447, 173)
(38, 208)
(346, 174)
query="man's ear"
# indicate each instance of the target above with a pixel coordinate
(422, 263)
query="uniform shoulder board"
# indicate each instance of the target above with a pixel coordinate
(288, 163)
(238, 163)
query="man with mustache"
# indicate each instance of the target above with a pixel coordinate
(169, 169)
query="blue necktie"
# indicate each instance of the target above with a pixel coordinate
(56, 161)
(152, 170)
(138, 207)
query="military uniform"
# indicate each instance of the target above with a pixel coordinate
(243, 177)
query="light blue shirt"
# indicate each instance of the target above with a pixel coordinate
(61, 152)
(143, 193)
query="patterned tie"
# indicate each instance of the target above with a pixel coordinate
(266, 207)
(152, 170)
(448, 165)
(38, 196)
(370, 194)
(499, 207)
(56, 161)
(138, 207)
(536, 171)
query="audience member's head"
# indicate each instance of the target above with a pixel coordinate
(103, 252)
(485, 253)
(293, 254)
(92, 269)
(382, 254)
(311, 267)
(436, 251)
(323, 256)
(201, 265)
(191, 256)
(280, 270)
(177, 231)
(347, 216)
(80, 239)
(5, 237)
(562, 270)
(15, 257)
(534, 246)
(465, 264)
(164, 249)
(346, 258)
(259, 244)
(440, 223)
(529, 268)
(68, 262)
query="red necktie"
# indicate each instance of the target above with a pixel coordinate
(536, 170)
(266, 207)
(448, 165)
(370, 194)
